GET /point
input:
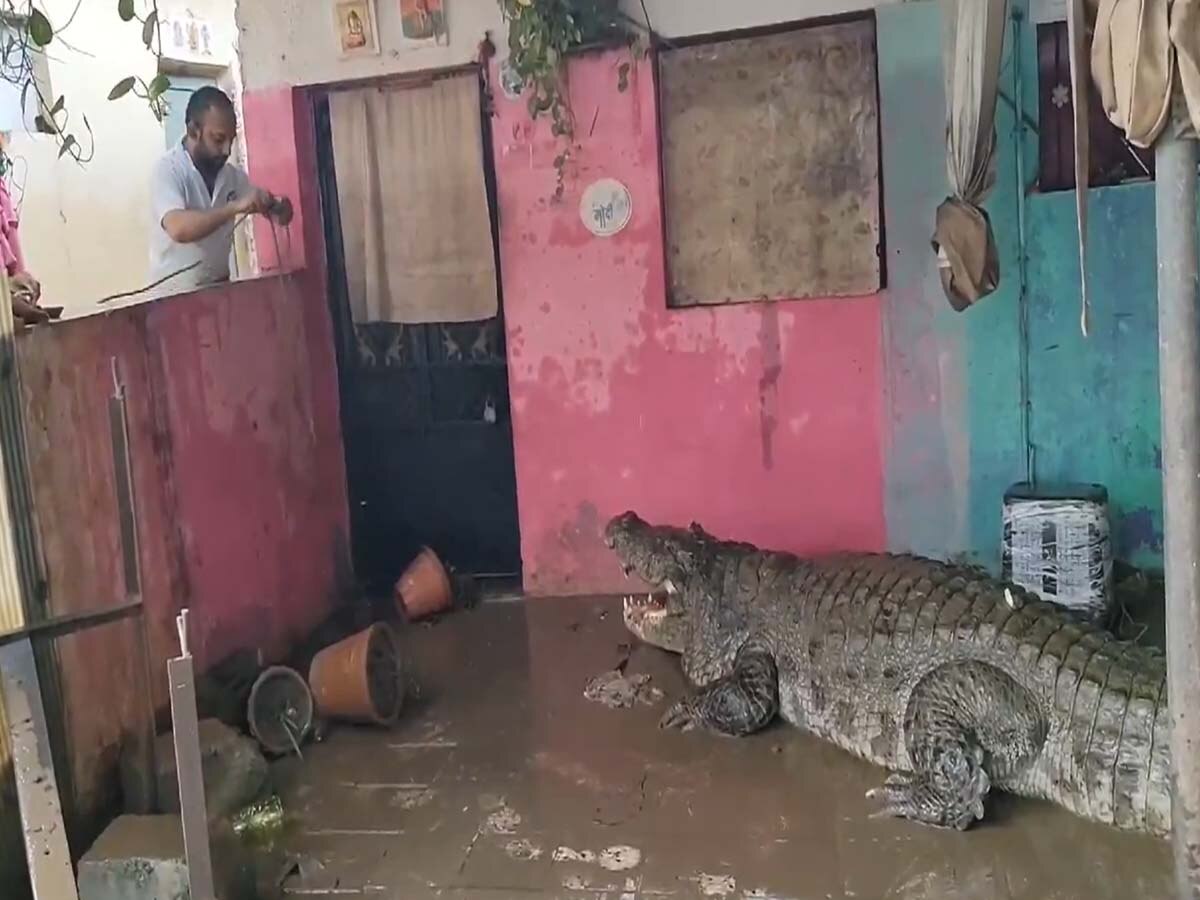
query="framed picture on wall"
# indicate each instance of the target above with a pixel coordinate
(356, 28)
(423, 23)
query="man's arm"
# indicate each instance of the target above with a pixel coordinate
(186, 226)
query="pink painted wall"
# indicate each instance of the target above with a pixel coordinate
(239, 480)
(280, 145)
(762, 421)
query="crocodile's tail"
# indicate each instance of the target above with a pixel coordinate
(1110, 758)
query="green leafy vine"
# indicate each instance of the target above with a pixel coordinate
(154, 91)
(541, 33)
(27, 32)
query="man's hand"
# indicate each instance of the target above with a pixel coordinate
(29, 313)
(186, 226)
(257, 202)
(25, 284)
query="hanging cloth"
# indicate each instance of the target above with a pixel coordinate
(973, 43)
(1077, 39)
(414, 209)
(1139, 48)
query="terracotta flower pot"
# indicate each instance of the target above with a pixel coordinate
(424, 588)
(360, 679)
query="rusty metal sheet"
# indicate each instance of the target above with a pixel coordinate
(771, 166)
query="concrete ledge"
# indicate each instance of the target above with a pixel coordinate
(142, 858)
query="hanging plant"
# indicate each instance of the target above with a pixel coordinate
(540, 35)
(27, 37)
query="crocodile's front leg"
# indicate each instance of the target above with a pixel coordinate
(967, 726)
(741, 703)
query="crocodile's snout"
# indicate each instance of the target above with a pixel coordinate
(618, 526)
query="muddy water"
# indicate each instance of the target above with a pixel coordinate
(503, 781)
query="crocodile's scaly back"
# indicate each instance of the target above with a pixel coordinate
(875, 626)
(872, 651)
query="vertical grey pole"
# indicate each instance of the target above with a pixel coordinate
(1176, 159)
(192, 805)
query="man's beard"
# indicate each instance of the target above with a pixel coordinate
(211, 165)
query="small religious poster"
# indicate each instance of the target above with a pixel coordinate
(357, 34)
(423, 23)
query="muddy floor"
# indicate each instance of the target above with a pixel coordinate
(504, 781)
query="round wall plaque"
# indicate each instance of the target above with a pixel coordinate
(606, 207)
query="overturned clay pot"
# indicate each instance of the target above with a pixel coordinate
(424, 588)
(361, 678)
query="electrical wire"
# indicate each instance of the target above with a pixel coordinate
(121, 296)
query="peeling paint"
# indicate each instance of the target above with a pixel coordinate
(412, 799)
(616, 690)
(620, 858)
(715, 885)
(523, 850)
(566, 854)
(615, 389)
(503, 821)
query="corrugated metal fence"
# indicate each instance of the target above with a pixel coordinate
(19, 568)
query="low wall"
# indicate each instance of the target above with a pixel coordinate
(239, 490)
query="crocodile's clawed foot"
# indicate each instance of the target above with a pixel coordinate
(921, 799)
(680, 715)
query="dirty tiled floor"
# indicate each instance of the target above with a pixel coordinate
(503, 781)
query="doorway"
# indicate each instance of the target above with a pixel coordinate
(426, 422)
(177, 96)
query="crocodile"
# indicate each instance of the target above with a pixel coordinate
(957, 683)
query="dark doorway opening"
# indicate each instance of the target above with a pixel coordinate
(425, 420)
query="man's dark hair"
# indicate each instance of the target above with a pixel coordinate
(203, 100)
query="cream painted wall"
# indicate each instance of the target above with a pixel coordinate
(84, 227)
(294, 42)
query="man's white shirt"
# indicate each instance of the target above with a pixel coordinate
(177, 184)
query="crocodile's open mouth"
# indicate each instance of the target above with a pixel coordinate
(656, 621)
(649, 605)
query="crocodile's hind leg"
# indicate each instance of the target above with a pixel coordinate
(741, 703)
(968, 726)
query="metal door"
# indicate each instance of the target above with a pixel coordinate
(426, 425)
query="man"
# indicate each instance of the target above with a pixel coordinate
(198, 199)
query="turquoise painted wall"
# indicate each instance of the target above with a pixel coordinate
(1095, 399)
(954, 404)
(927, 451)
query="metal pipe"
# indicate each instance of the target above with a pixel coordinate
(1018, 16)
(1179, 384)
